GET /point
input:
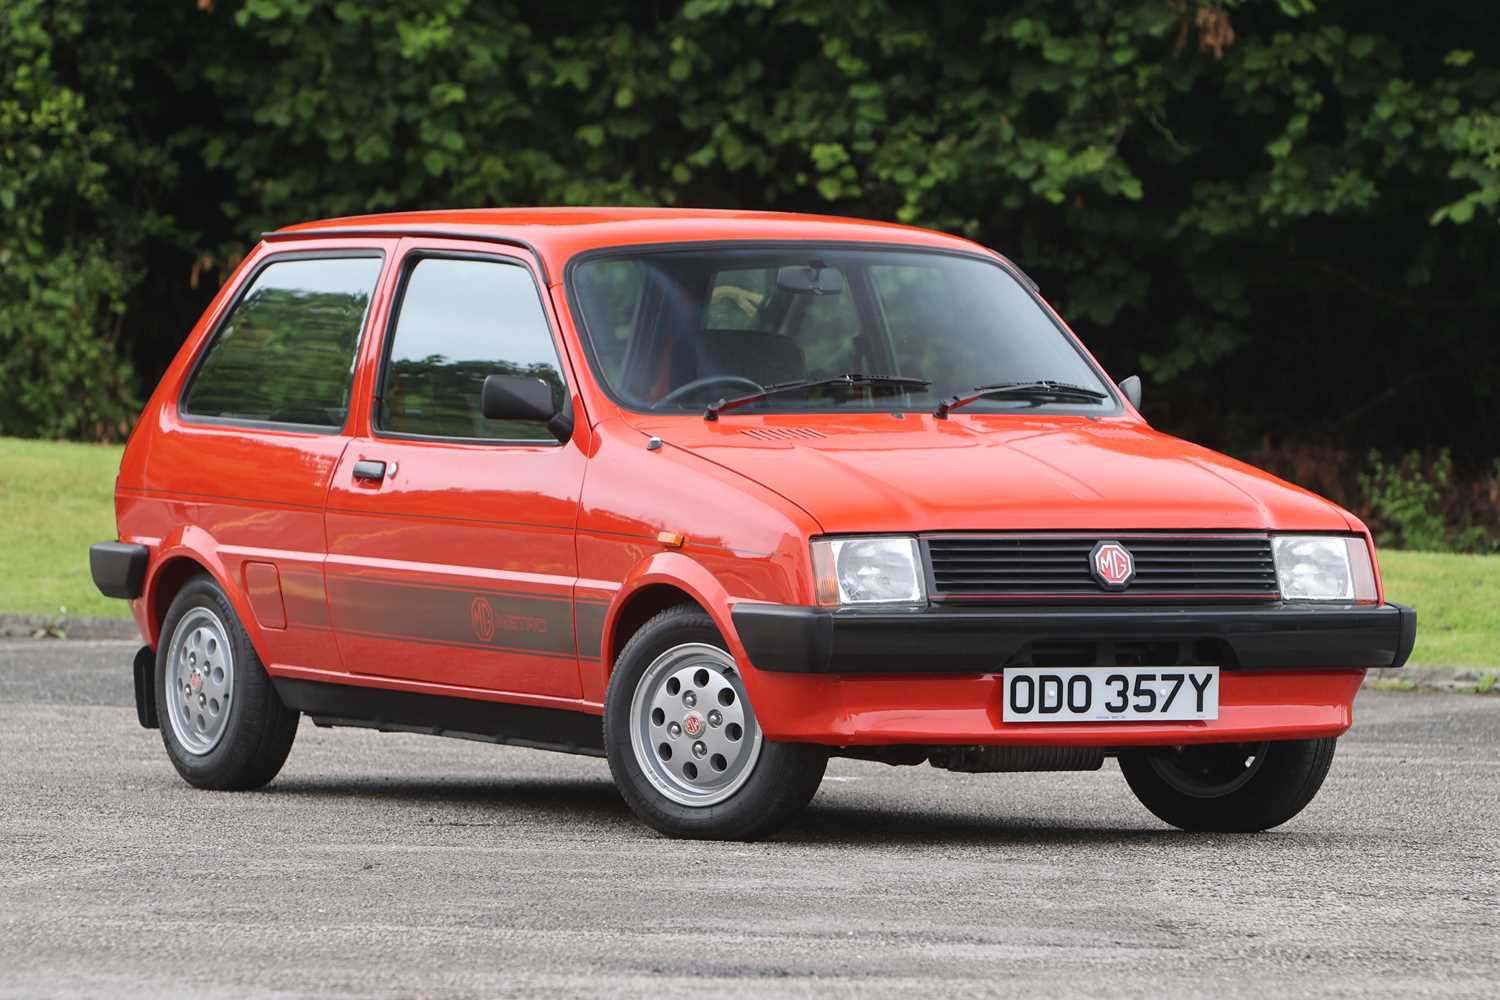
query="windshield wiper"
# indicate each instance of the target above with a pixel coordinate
(849, 379)
(1043, 390)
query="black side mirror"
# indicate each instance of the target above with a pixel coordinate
(524, 397)
(1131, 387)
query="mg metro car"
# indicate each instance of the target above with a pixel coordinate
(716, 495)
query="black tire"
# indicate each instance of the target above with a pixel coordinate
(782, 782)
(259, 729)
(1197, 788)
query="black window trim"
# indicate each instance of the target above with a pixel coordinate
(188, 418)
(408, 264)
(994, 259)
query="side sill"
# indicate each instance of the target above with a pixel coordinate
(437, 715)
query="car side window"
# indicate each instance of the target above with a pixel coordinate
(285, 353)
(459, 321)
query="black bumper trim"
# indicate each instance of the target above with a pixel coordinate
(118, 568)
(790, 639)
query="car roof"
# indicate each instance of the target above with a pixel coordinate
(556, 234)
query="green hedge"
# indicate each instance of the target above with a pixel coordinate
(1282, 213)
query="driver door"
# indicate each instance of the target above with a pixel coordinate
(451, 537)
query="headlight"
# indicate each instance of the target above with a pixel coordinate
(1323, 568)
(868, 571)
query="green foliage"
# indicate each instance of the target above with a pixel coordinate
(1206, 189)
(64, 265)
(1405, 499)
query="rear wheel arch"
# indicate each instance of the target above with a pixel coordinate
(170, 577)
(181, 566)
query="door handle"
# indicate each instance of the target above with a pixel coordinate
(369, 471)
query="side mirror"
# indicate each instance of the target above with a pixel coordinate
(523, 397)
(1131, 387)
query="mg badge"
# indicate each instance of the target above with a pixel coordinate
(1113, 565)
(693, 724)
(482, 619)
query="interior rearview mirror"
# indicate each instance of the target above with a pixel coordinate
(523, 397)
(1131, 387)
(813, 279)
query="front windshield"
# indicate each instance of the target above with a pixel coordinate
(673, 331)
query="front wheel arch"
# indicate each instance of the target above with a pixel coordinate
(638, 609)
(661, 576)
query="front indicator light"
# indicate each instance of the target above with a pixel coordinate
(1324, 568)
(883, 570)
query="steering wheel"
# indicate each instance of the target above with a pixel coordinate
(699, 383)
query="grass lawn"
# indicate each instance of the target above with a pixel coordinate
(55, 499)
(1458, 605)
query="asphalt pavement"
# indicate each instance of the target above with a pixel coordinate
(394, 865)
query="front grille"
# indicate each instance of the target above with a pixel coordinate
(1018, 567)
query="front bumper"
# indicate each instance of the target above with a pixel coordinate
(790, 639)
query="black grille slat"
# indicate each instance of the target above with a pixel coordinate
(1139, 582)
(1230, 572)
(997, 567)
(1023, 567)
(1005, 557)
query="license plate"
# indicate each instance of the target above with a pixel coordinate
(1110, 694)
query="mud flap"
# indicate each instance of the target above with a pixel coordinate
(145, 687)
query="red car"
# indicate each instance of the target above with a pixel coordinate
(716, 495)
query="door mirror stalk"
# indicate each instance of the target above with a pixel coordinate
(524, 397)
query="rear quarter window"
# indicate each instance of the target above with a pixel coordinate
(285, 353)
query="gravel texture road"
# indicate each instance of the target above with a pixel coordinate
(393, 865)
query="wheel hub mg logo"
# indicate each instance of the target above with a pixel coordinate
(1112, 565)
(693, 724)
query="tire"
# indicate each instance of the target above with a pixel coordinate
(227, 728)
(1228, 788)
(747, 787)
